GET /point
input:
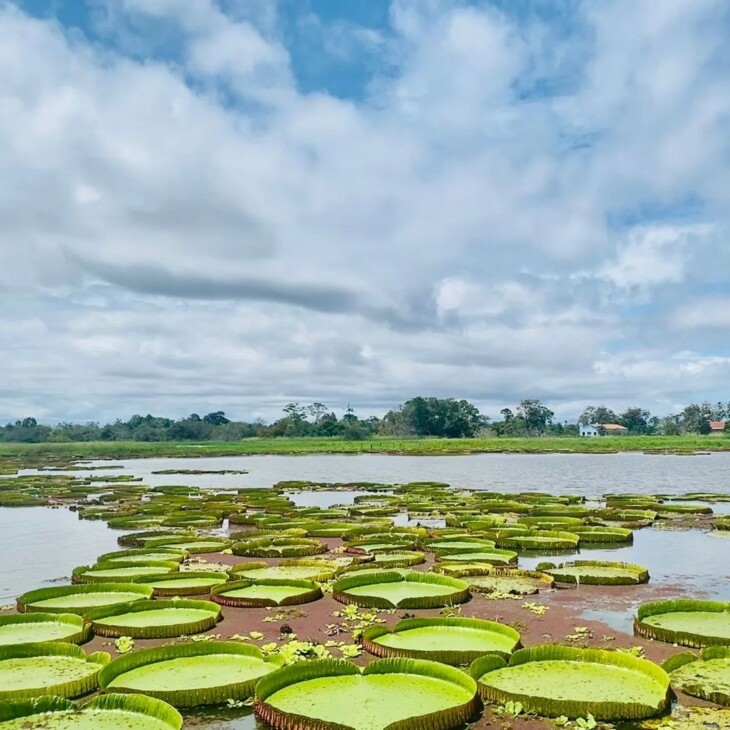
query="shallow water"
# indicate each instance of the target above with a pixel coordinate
(585, 474)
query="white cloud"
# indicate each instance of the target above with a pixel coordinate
(201, 231)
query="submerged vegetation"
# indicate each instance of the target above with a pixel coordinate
(408, 605)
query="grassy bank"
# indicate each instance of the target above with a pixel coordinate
(415, 447)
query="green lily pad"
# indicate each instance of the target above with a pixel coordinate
(555, 680)
(246, 593)
(119, 573)
(484, 578)
(79, 599)
(386, 693)
(400, 589)
(493, 556)
(447, 640)
(33, 670)
(112, 712)
(189, 675)
(262, 571)
(32, 628)
(685, 622)
(155, 619)
(707, 677)
(597, 572)
(189, 583)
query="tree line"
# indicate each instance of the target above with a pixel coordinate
(417, 417)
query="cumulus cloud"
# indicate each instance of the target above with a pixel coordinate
(515, 206)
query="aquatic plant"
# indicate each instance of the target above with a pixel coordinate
(706, 676)
(33, 628)
(687, 622)
(79, 599)
(266, 592)
(596, 572)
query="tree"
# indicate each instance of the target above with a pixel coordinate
(593, 415)
(637, 420)
(696, 417)
(535, 415)
(316, 411)
(217, 418)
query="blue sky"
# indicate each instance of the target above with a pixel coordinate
(233, 204)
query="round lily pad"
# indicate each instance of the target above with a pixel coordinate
(80, 599)
(189, 675)
(399, 558)
(484, 578)
(195, 546)
(155, 619)
(400, 589)
(492, 556)
(540, 540)
(555, 680)
(271, 592)
(118, 573)
(397, 693)
(136, 556)
(597, 572)
(55, 668)
(278, 547)
(285, 571)
(459, 545)
(32, 628)
(707, 677)
(188, 583)
(685, 622)
(110, 712)
(447, 640)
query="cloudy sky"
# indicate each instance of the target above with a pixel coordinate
(233, 204)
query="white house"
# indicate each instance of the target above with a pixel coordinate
(588, 430)
(603, 429)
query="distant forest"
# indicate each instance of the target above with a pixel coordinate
(417, 417)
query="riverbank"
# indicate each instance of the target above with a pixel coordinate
(414, 447)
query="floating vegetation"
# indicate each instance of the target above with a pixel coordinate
(189, 675)
(53, 668)
(266, 592)
(116, 573)
(286, 570)
(493, 556)
(597, 573)
(188, 583)
(706, 676)
(556, 681)
(393, 589)
(109, 712)
(487, 579)
(685, 622)
(397, 693)
(80, 599)
(33, 628)
(447, 640)
(155, 619)
(278, 547)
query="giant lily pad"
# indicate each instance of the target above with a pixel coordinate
(492, 556)
(111, 712)
(188, 675)
(278, 547)
(272, 592)
(155, 619)
(686, 622)
(447, 640)
(400, 589)
(118, 573)
(33, 670)
(555, 680)
(194, 546)
(707, 677)
(484, 578)
(397, 693)
(32, 628)
(134, 557)
(291, 570)
(80, 599)
(188, 583)
(597, 572)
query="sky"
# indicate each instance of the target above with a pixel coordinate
(234, 204)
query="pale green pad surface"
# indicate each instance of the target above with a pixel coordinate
(485, 556)
(214, 546)
(595, 570)
(447, 638)
(694, 622)
(131, 571)
(399, 590)
(368, 546)
(458, 545)
(371, 702)
(90, 600)
(275, 593)
(284, 572)
(504, 584)
(43, 671)
(713, 675)
(576, 681)
(386, 557)
(86, 720)
(198, 672)
(32, 632)
(157, 617)
(187, 582)
(142, 558)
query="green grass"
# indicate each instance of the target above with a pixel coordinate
(416, 447)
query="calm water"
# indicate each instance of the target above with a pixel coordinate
(586, 474)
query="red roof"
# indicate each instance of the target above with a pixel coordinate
(717, 425)
(613, 427)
